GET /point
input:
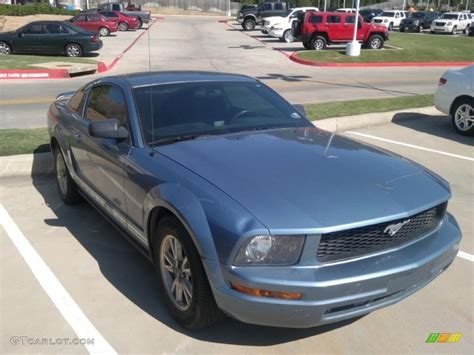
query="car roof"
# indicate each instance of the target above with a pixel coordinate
(168, 77)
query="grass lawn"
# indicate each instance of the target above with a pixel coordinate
(23, 141)
(28, 141)
(17, 61)
(416, 48)
(358, 107)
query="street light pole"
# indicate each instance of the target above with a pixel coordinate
(353, 48)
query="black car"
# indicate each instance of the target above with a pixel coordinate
(471, 29)
(253, 16)
(418, 21)
(48, 37)
(369, 14)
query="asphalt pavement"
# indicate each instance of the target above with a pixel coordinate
(202, 43)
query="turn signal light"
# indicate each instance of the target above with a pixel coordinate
(442, 81)
(256, 292)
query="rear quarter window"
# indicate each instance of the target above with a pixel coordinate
(315, 19)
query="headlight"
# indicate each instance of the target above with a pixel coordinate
(270, 250)
(385, 20)
(449, 24)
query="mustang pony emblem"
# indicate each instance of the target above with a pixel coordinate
(393, 229)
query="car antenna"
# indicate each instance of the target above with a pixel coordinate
(153, 152)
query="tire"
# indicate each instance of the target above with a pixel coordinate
(5, 48)
(419, 29)
(73, 50)
(306, 45)
(123, 26)
(199, 310)
(104, 31)
(318, 43)
(140, 22)
(466, 30)
(463, 116)
(390, 26)
(67, 188)
(402, 29)
(375, 42)
(432, 32)
(453, 32)
(248, 25)
(288, 36)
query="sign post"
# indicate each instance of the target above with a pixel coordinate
(353, 48)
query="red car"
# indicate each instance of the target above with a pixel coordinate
(318, 29)
(95, 23)
(124, 22)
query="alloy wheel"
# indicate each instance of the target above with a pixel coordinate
(4, 49)
(288, 36)
(73, 50)
(464, 117)
(176, 272)
(318, 44)
(104, 32)
(61, 173)
(375, 43)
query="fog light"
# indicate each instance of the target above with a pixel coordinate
(256, 292)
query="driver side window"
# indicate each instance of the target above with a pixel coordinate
(106, 102)
(35, 29)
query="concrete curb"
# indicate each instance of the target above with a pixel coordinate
(295, 58)
(42, 163)
(337, 124)
(11, 74)
(26, 165)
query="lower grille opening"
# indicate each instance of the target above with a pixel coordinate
(357, 305)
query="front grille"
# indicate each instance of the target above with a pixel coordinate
(378, 21)
(439, 23)
(364, 240)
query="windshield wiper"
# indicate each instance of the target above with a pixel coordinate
(176, 139)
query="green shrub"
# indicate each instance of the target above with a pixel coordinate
(21, 10)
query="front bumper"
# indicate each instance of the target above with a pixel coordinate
(276, 33)
(95, 46)
(335, 291)
(409, 26)
(240, 20)
(442, 29)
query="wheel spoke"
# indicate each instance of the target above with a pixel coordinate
(188, 295)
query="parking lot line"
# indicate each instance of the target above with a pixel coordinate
(38, 100)
(410, 145)
(69, 309)
(466, 256)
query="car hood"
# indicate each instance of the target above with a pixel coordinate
(444, 20)
(309, 180)
(274, 18)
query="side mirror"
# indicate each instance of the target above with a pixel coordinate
(300, 109)
(19, 34)
(108, 129)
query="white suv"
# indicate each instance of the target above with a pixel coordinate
(451, 22)
(281, 27)
(390, 19)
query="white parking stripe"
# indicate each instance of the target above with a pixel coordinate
(466, 256)
(54, 289)
(410, 145)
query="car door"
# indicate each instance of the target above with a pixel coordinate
(335, 28)
(28, 40)
(348, 29)
(99, 160)
(81, 21)
(94, 22)
(55, 38)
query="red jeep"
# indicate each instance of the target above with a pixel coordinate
(318, 29)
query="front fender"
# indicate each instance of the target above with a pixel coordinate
(188, 209)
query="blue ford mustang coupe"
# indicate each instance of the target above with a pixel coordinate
(243, 206)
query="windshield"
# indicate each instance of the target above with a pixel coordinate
(388, 14)
(450, 16)
(211, 108)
